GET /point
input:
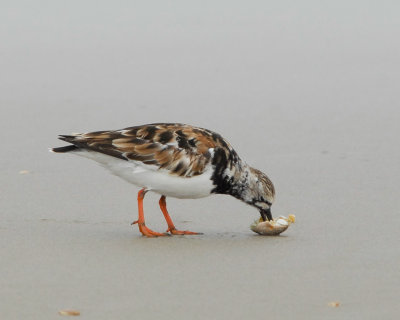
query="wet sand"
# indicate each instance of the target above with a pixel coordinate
(312, 102)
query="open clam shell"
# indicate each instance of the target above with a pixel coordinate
(273, 227)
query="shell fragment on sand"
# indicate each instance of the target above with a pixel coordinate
(69, 313)
(334, 304)
(273, 227)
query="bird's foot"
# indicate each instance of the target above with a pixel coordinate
(179, 232)
(148, 232)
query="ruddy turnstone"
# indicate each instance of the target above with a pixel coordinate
(174, 160)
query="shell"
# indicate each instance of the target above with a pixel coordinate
(273, 227)
(69, 313)
(334, 304)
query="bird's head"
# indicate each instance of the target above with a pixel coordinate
(262, 193)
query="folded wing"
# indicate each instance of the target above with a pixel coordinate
(183, 150)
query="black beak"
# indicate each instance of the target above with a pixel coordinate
(266, 214)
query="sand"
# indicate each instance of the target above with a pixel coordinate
(305, 93)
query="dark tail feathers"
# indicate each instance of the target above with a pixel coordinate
(69, 148)
(64, 149)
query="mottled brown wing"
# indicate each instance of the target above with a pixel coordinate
(182, 149)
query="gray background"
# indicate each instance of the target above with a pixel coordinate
(306, 91)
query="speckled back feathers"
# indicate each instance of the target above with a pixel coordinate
(181, 149)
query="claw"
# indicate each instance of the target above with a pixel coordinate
(150, 233)
(179, 232)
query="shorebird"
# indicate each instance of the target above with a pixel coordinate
(174, 160)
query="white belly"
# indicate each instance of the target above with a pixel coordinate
(149, 177)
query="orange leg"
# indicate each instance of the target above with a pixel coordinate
(171, 227)
(142, 226)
